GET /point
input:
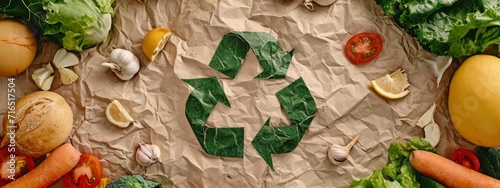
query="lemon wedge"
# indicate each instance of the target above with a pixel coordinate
(155, 41)
(117, 115)
(392, 86)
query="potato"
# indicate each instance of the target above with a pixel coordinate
(18, 47)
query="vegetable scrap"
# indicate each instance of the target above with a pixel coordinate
(76, 24)
(147, 154)
(338, 154)
(132, 181)
(447, 172)
(123, 63)
(363, 47)
(489, 158)
(56, 165)
(399, 172)
(448, 28)
(465, 158)
(62, 60)
(14, 165)
(431, 128)
(86, 173)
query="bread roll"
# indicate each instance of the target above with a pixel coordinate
(43, 121)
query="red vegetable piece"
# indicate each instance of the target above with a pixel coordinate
(363, 47)
(465, 158)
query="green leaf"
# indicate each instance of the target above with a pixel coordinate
(489, 158)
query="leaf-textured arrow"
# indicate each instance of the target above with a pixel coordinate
(234, 46)
(299, 105)
(223, 141)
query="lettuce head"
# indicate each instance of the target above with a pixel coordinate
(75, 24)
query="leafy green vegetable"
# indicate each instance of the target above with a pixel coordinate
(399, 172)
(489, 158)
(134, 181)
(76, 24)
(448, 27)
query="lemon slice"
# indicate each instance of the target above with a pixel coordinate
(155, 41)
(392, 86)
(117, 115)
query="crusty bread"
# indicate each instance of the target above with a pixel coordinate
(43, 121)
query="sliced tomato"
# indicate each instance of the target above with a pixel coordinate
(465, 158)
(13, 164)
(363, 47)
(86, 174)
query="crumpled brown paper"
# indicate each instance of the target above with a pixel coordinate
(156, 96)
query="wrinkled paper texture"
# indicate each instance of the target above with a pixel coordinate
(156, 96)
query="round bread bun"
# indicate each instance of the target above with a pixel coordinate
(43, 121)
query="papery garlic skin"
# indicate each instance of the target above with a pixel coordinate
(147, 154)
(123, 63)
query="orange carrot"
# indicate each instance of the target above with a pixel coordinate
(59, 162)
(449, 173)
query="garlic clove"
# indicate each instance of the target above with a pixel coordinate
(427, 117)
(59, 55)
(68, 60)
(338, 154)
(147, 154)
(67, 76)
(47, 83)
(43, 77)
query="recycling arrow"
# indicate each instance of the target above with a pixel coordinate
(300, 107)
(224, 142)
(295, 99)
(234, 46)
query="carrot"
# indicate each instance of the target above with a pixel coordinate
(449, 173)
(59, 162)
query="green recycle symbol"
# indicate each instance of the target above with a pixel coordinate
(296, 99)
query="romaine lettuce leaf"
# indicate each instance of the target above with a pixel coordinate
(448, 27)
(399, 172)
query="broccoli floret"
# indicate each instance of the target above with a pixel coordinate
(134, 181)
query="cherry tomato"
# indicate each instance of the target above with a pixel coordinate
(86, 174)
(13, 164)
(363, 47)
(465, 158)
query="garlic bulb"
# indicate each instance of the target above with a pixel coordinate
(123, 63)
(147, 154)
(337, 154)
(309, 3)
